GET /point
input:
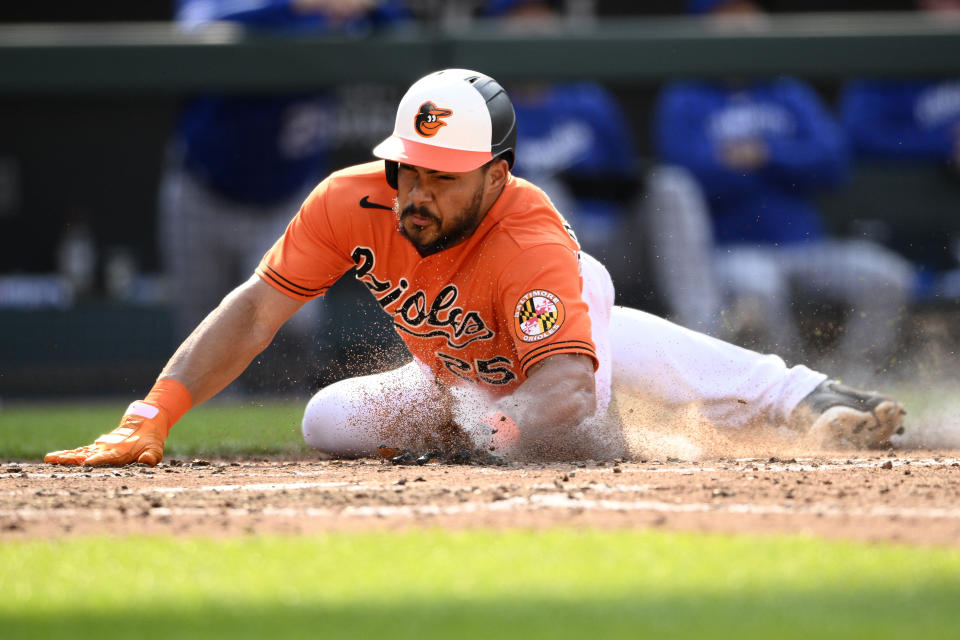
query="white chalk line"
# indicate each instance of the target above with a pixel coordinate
(263, 487)
(742, 464)
(558, 501)
(355, 486)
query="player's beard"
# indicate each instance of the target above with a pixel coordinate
(464, 224)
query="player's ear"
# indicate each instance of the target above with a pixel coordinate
(497, 173)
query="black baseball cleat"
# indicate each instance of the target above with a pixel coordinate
(843, 417)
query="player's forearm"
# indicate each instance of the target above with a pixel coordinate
(223, 345)
(551, 403)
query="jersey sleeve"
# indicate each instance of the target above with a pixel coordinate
(310, 256)
(541, 299)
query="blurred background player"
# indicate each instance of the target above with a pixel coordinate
(575, 142)
(761, 150)
(905, 124)
(240, 166)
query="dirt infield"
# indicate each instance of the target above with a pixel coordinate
(911, 497)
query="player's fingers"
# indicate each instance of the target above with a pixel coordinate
(151, 455)
(61, 457)
(69, 456)
(109, 457)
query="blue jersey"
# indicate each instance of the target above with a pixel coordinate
(572, 128)
(806, 153)
(264, 148)
(908, 120)
(578, 134)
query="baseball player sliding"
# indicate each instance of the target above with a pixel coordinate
(515, 339)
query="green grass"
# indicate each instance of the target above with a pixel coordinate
(518, 584)
(218, 429)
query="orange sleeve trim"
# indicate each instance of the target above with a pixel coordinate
(554, 349)
(172, 397)
(575, 345)
(267, 273)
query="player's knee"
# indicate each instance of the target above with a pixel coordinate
(872, 263)
(313, 423)
(325, 424)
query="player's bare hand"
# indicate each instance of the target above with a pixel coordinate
(745, 154)
(139, 438)
(335, 9)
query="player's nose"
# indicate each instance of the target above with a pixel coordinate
(420, 192)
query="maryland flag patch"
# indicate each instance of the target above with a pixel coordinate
(538, 315)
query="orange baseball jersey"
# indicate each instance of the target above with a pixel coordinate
(484, 310)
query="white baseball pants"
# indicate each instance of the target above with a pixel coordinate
(639, 352)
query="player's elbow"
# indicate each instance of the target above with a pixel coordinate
(261, 336)
(259, 310)
(242, 313)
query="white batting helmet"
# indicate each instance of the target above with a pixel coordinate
(452, 120)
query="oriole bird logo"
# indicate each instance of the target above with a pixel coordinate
(427, 121)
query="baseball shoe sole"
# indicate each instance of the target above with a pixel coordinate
(843, 417)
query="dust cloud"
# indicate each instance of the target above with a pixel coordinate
(653, 431)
